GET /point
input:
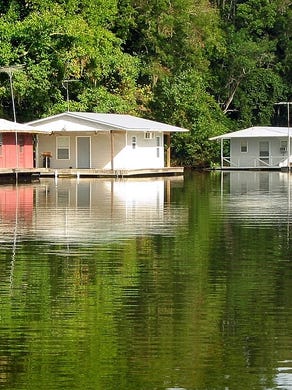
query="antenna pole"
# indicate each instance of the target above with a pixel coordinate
(9, 70)
(12, 94)
(65, 84)
(67, 91)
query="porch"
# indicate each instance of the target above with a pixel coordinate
(255, 162)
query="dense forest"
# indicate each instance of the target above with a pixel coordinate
(211, 66)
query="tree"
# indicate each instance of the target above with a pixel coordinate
(249, 77)
(211, 66)
(183, 100)
(54, 43)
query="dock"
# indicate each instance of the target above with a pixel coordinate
(108, 173)
(23, 175)
(35, 174)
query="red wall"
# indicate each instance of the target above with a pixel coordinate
(24, 149)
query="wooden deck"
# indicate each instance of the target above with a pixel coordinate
(118, 173)
(33, 174)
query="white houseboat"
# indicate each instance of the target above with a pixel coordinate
(90, 142)
(260, 147)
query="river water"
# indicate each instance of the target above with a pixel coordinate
(142, 284)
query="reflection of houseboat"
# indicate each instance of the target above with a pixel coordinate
(97, 210)
(16, 203)
(256, 195)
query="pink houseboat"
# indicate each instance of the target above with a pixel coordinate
(16, 145)
(16, 148)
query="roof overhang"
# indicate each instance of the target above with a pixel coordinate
(15, 127)
(84, 121)
(256, 132)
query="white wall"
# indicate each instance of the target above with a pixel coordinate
(143, 156)
(126, 157)
(250, 158)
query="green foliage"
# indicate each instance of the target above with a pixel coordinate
(256, 16)
(101, 100)
(183, 101)
(208, 66)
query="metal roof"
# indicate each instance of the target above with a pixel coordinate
(255, 132)
(112, 122)
(14, 127)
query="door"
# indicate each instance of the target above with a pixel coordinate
(264, 153)
(83, 152)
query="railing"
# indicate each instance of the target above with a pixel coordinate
(263, 162)
(255, 162)
(229, 163)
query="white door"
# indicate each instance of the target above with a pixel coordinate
(264, 153)
(83, 152)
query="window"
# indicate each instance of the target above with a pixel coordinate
(264, 153)
(148, 135)
(134, 142)
(264, 149)
(243, 146)
(283, 146)
(157, 147)
(20, 141)
(63, 148)
(1, 143)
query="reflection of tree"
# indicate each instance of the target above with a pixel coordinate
(197, 308)
(249, 321)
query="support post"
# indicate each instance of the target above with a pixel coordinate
(168, 150)
(9, 70)
(221, 153)
(112, 149)
(288, 130)
(289, 146)
(14, 118)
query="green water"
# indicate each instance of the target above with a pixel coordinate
(147, 284)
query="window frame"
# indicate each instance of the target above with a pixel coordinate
(148, 135)
(61, 147)
(20, 142)
(283, 146)
(243, 146)
(134, 142)
(158, 145)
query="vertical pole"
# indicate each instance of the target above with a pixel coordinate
(288, 131)
(14, 118)
(67, 96)
(167, 183)
(112, 149)
(12, 95)
(168, 150)
(289, 146)
(221, 153)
